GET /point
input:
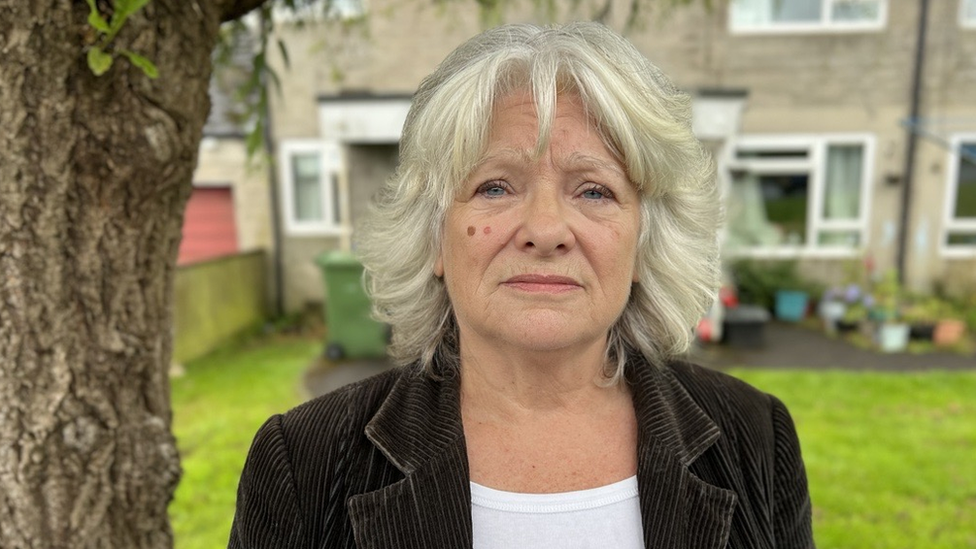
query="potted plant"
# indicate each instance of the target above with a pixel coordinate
(892, 332)
(855, 314)
(783, 290)
(950, 326)
(922, 314)
(832, 308)
(791, 304)
(758, 281)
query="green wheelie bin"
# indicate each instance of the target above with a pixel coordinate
(352, 333)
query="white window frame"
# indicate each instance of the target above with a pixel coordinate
(966, 22)
(330, 172)
(814, 164)
(949, 221)
(825, 25)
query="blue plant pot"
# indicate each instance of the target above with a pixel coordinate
(791, 305)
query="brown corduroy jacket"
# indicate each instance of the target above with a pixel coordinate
(382, 464)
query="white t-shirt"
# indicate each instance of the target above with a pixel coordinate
(608, 516)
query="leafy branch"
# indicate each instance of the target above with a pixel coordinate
(101, 55)
(260, 77)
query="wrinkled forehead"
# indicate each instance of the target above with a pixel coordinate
(544, 106)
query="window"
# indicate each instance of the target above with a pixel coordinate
(807, 15)
(793, 194)
(960, 232)
(310, 187)
(318, 10)
(967, 13)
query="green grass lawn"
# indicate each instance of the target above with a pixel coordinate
(891, 457)
(217, 407)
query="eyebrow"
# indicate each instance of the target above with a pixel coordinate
(576, 161)
(582, 161)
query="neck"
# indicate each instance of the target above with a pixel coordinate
(513, 384)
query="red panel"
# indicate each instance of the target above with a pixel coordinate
(208, 226)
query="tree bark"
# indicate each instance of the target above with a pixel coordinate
(94, 177)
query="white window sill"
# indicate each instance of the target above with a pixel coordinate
(317, 231)
(959, 252)
(805, 29)
(793, 253)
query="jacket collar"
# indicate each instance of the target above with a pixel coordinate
(419, 420)
(418, 428)
(678, 509)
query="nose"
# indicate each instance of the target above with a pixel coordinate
(545, 228)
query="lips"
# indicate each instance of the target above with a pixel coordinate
(543, 283)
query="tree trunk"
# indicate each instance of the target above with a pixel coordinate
(94, 177)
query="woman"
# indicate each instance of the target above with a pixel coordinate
(545, 246)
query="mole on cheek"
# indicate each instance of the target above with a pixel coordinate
(470, 231)
(487, 230)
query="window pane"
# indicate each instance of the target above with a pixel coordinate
(778, 154)
(786, 205)
(768, 210)
(796, 11)
(346, 9)
(842, 189)
(336, 210)
(847, 239)
(969, 11)
(856, 10)
(747, 13)
(308, 190)
(959, 238)
(966, 184)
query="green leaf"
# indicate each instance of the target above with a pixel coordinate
(255, 139)
(95, 18)
(147, 66)
(98, 61)
(125, 8)
(284, 53)
(273, 77)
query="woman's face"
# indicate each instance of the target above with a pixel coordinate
(539, 254)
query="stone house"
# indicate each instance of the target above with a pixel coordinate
(807, 105)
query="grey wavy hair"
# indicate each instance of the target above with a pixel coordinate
(644, 120)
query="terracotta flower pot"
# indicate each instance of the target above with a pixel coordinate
(948, 332)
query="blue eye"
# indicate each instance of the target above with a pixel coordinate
(493, 189)
(597, 192)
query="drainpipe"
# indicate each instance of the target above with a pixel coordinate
(906, 191)
(269, 149)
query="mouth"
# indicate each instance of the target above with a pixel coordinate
(541, 283)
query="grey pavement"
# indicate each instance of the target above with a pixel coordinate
(793, 346)
(784, 346)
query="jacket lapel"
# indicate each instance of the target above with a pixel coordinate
(678, 509)
(419, 430)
